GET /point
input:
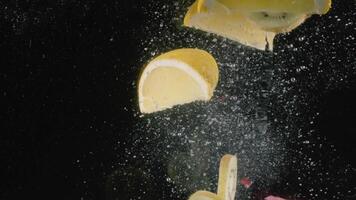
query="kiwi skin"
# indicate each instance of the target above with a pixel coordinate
(280, 22)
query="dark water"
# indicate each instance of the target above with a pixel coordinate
(71, 127)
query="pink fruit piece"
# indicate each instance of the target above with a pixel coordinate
(246, 182)
(274, 198)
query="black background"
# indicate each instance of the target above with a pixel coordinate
(68, 100)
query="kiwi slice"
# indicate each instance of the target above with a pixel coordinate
(277, 22)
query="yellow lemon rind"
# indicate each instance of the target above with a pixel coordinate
(197, 64)
(228, 165)
(204, 195)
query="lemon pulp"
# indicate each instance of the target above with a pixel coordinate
(177, 77)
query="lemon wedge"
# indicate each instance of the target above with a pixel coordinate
(204, 195)
(227, 177)
(177, 77)
(227, 181)
(292, 6)
(252, 22)
(212, 16)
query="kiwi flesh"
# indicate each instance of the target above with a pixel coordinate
(277, 22)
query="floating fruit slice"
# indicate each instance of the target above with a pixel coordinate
(252, 22)
(277, 22)
(211, 16)
(177, 77)
(290, 6)
(277, 15)
(246, 182)
(274, 198)
(204, 195)
(227, 177)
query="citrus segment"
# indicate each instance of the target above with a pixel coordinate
(230, 25)
(204, 195)
(227, 177)
(177, 77)
(252, 22)
(290, 6)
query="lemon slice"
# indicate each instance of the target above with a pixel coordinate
(277, 15)
(227, 181)
(227, 177)
(277, 22)
(252, 22)
(204, 195)
(292, 6)
(214, 17)
(177, 77)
